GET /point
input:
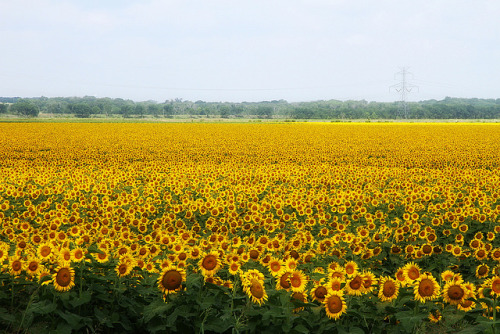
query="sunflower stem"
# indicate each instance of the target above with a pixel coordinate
(32, 297)
(494, 316)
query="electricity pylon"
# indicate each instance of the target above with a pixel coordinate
(403, 88)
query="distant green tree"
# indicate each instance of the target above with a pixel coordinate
(168, 109)
(139, 110)
(127, 110)
(25, 108)
(225, 111)
(264, 111)
(81, 110)
(153, 110)
(302, 112)
(3, 108)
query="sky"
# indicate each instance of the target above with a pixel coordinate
(256, 50)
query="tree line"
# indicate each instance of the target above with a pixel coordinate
(90, 106)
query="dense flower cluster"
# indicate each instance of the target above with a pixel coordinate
(327, 212)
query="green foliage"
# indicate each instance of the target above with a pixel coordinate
(448, 108)
(25, 108)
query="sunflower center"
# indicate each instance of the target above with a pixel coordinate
(356, 282)
(334, 304)
(413, 274)
(45, 251)
(389, 289)
(466, 303)
(320, 292)
(427, 249)
(367, 282)
(495, 286)
(296, 281)
(336, 285)
(275, 266)
(299, 296)
(16, 265)
(78, 254)
(63, 277)
(284, 282)
(33, 266)
(426, 288)
(171, 280)
(122, 269)
(455, 292)
(209, 262)
(256, 289)
(483, 270)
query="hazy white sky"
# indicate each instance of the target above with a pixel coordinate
(249, 50)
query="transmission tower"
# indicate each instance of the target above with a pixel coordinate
(403, 88)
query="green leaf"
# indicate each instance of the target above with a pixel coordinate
(43, 307)
(84, 298)
(6, 316)
(156, 308)
(74, 320)
(301, 329)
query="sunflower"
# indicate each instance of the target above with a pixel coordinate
(301, 297)
(435, 316)
(351, 268)
(125, 266)
(63, 278)
(33, 267)
(494, 284)
(369, 280)
(495, 254)
(255, 291)
(354, 286)
(65, 254)
(44, 275)
(248, 276)
(467, 304)
(447, 275)
(319, 292)
(102, 256)
(234, 268)
(298, 281)
(171, 279)
(78, 254)
(426, 288)
(482, 270)
(210, 263)
(45, 252)
(401, 277)
(283, 280)
(454, 293)
(412, 271)
(335, 304)
(291, 263)
(16, 266)
(481, 254)
(388, 289)
(334, 284)
(4, 252)
(275, 266)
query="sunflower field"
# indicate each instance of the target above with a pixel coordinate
(249, 228)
